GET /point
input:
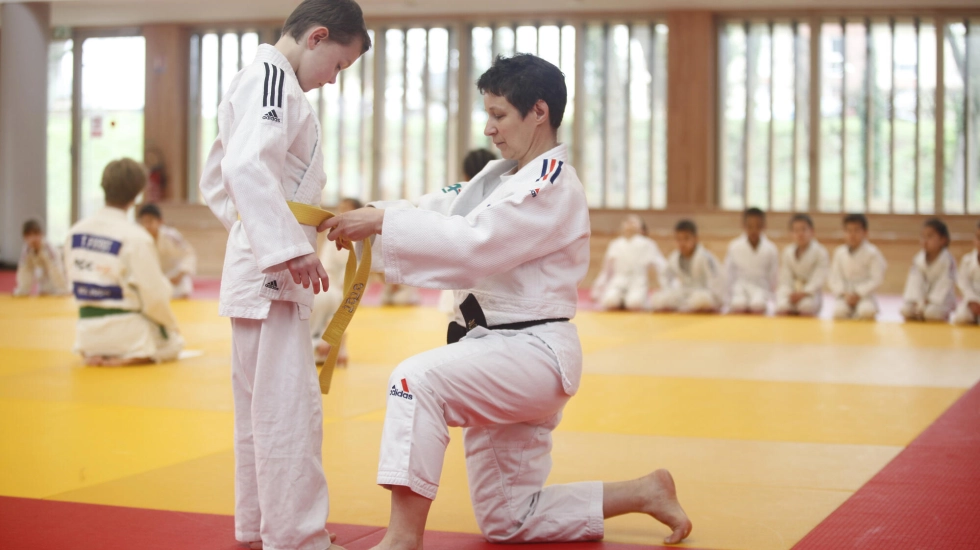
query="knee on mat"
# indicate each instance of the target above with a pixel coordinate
(758, 306)
(842, 310)
(701, 301)
(739, 304)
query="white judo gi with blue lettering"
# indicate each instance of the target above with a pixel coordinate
(520, 245)
(267, 152)
(123, 296)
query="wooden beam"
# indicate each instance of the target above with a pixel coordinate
(692, 106)
(165, 114)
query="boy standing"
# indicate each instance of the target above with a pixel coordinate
(930, 293)
(751, 266)
(968, 279)
(692, 278)
(857, 271)
(803, 271)
(268, 152)
(39, 263)
(123, 297)
(177, 256)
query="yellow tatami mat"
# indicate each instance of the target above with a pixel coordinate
(767, 424)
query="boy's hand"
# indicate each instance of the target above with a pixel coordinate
(309, 271)
(853, 299)
(795, 297)
(355, 225)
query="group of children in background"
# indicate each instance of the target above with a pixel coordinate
(116, 284)
(755, 274)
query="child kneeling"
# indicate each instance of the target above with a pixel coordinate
(123, 297)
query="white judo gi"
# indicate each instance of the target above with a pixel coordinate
(625, 277)
(930, 289)
(968, 281)
(520, 245)
(860, 272)
(177, 257)
(806, 273)
(123, 296)
(268, 152)
(751, 273)
(690, 284)
(43, 267)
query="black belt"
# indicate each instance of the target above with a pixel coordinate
(474, 317)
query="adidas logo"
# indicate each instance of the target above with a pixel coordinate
(406, 394)
(272, 284)
(271, 115)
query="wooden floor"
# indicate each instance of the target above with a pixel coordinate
(767, 424)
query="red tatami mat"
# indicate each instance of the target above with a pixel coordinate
(928, 497)
(30, 524)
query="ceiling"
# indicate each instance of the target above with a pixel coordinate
(135, 12)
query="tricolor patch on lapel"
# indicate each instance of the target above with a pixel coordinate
(550, 168)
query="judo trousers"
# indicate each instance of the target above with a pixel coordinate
(505, 389)
(280, 491)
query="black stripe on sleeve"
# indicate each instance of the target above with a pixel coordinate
(265, 94)
(282, 79)
(272, 100)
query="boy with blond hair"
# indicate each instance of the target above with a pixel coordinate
(123, 296)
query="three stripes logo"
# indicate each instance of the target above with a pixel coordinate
(272, 285)
(404, 393)
(550, 169)
(271, 115)
(275, 78)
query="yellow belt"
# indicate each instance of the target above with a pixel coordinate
(355, 281)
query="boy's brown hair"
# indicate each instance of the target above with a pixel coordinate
(32, 227)
(343, 18)
(122, 181)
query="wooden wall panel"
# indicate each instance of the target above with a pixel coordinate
(691, 108)
(165, 127)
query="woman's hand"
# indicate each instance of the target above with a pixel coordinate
(355, 225)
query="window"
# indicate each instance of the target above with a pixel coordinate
(397, 123)
(882, 92)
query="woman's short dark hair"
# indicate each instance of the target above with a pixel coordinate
(343, 18)
(475, 161)
(939, 227)
(524, 79)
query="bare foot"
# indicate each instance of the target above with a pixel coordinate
(659, 499)
(391, 545)
(94, 360)
(257, 545)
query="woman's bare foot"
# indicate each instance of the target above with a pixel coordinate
(662, 504)
(653, 494)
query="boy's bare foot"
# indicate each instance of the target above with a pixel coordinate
(94, 361)
(660, 501)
